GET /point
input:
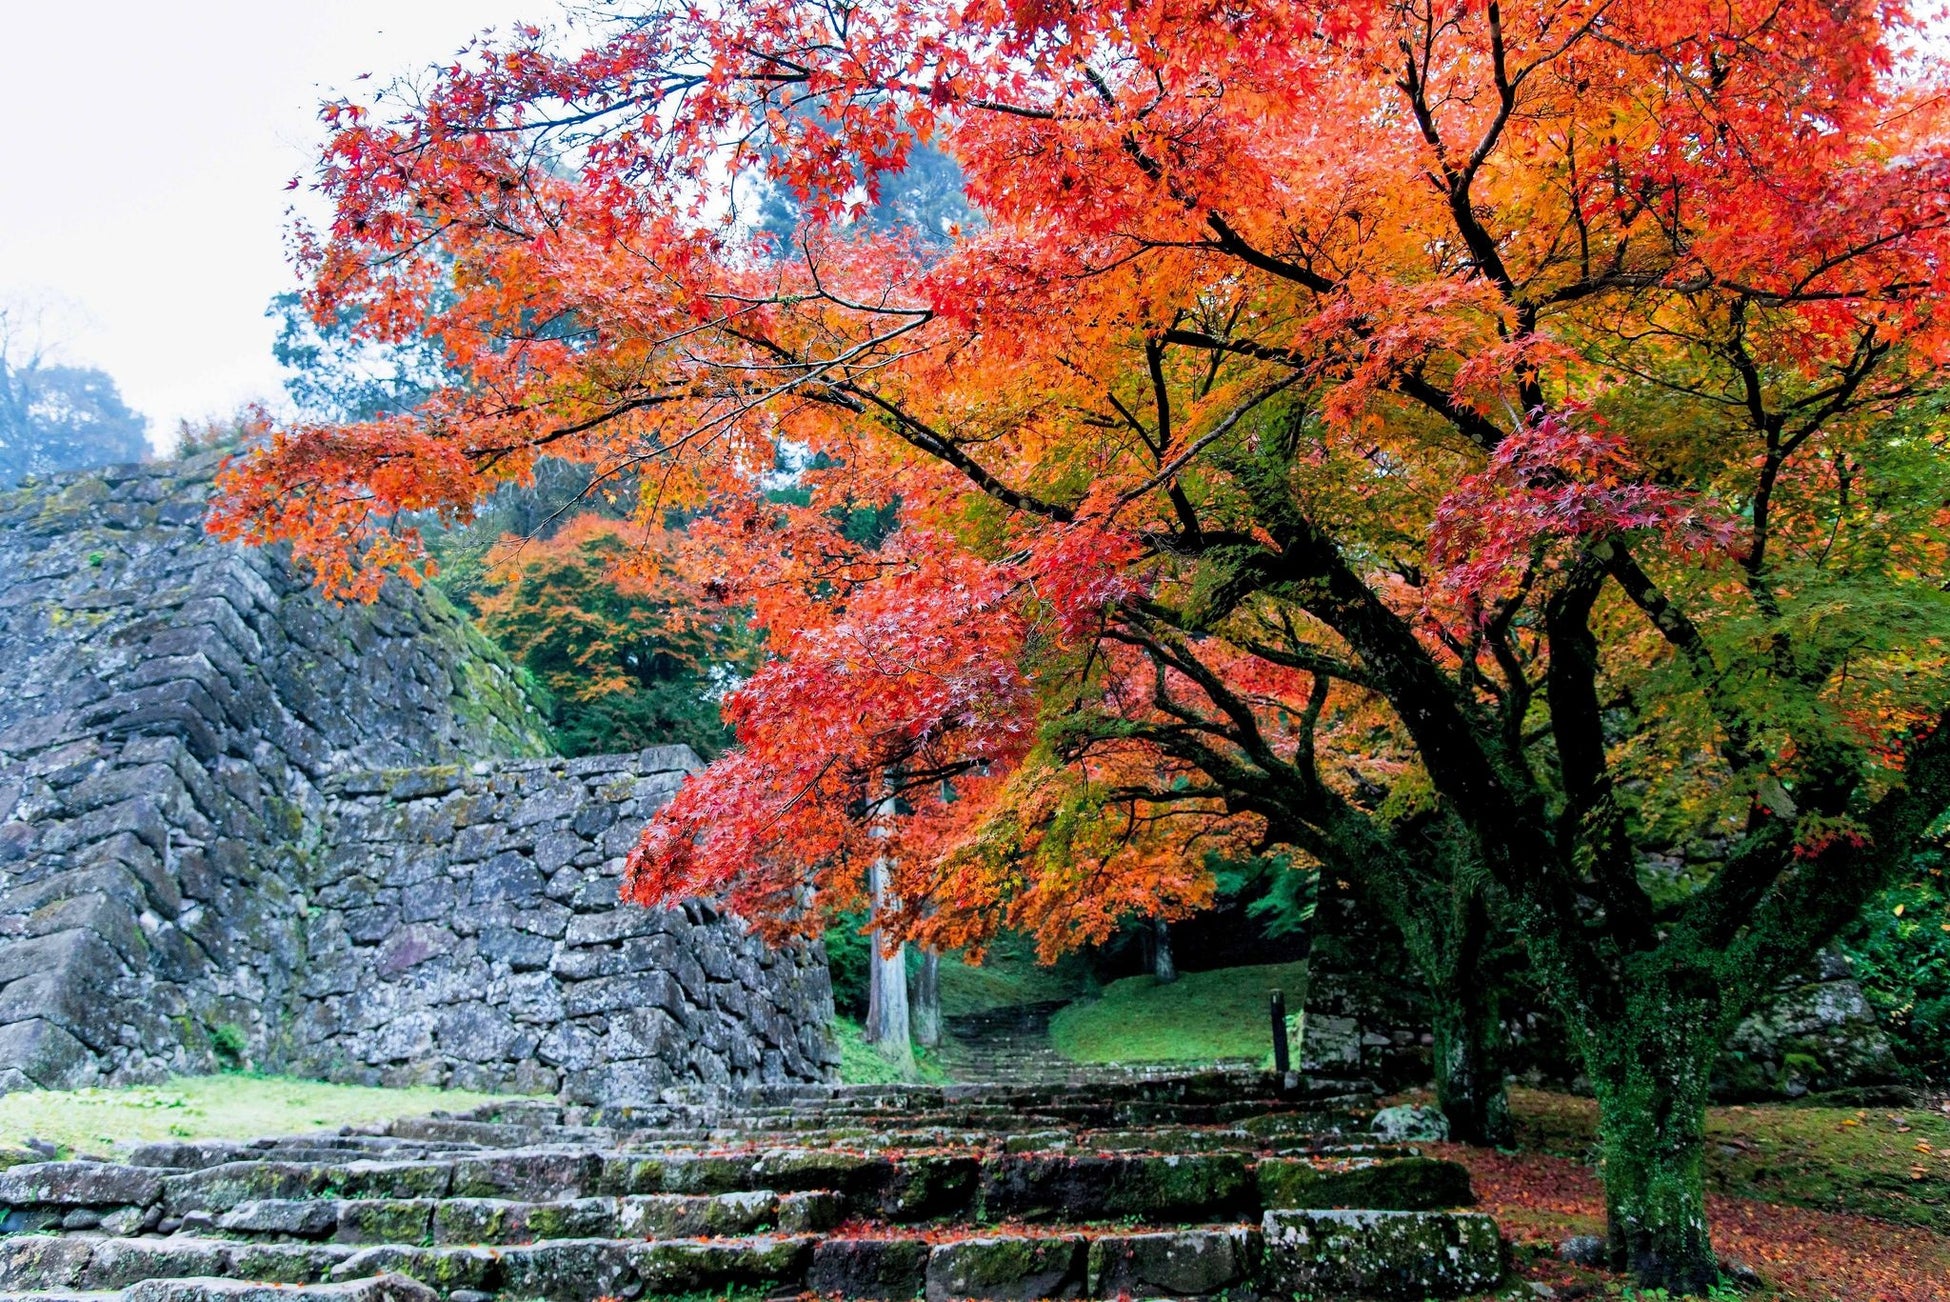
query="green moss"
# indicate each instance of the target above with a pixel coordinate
(862, 1064)
(1200, 1017)
(1408, 1184)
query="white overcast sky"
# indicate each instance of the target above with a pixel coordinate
(143, 166)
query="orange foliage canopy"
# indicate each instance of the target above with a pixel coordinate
(1305, 419)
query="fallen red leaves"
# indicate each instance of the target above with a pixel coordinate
(1808, 1255)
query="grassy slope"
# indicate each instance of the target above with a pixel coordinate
(1009, 975)
(861, 1063)
(207, 1107)
(1200, 1016)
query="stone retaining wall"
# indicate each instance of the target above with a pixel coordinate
(195, 856)
(464, 930)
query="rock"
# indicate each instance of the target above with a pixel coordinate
(810, 1213)
(1406, 1184)
(1582, 1250)
(1007, 1268)
(693, 1265)
(684, 1216)
(1410, 1256)
(32, 1264)
(869, 1268)
(1818, 1035)
(306, 1218)
(1741, 1276)
(80, 1184)
(1407, 1124)
(1176, 1263)
(1056, 1187)
(380, 1220)
(384, 1288)
(445, 1269)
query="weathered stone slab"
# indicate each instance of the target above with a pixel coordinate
(28, 1264)
(445, 1269)
(1391, 1256)
(869, 1268)
(1175, 1263)
(384, 1220)
(384, 1288)
(1407, 1184)
(498, 1220)
(118, 1263)
(1059, 1187)
(1007, 1268)
(528, 1176)
(304, 1217)
(221, 1188)
(688, 1216)
(80, 1184)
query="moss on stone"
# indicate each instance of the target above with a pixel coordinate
(1407, 1184)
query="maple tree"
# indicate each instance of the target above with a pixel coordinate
(1510, 418)
(629, 654)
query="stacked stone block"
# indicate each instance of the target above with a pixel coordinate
(464, 929)
(206, 815)
(1219, 1186)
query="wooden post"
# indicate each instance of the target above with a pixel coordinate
(1280, 1056)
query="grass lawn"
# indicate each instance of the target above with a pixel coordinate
(1198, 1017)
(206, 1107)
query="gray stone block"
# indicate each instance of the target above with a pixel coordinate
(1173, 1263)
(382, 1288)
(80, 1184)
(1405, 1256)
(1007, 1268)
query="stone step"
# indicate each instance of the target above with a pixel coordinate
(401, 1199)
(379, 1288)
(1385, 1255)
(501, 1221)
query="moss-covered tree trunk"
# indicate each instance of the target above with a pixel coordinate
(1650, 1069)
(1468, 1062)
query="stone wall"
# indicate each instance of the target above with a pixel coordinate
(464, 930)
(188, 744)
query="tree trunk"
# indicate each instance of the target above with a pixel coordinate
(1162, 966)
(887, 1027)
(927, 1000)
(1468, 1026)
(1650, 1070)
(1468, 1064)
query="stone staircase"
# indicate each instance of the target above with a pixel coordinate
(1231, 1184)
(1011, 1046)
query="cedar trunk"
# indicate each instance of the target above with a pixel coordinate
(927, 1000)
(1163, 966)
(887, 1025)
